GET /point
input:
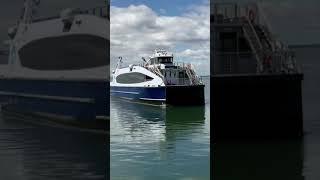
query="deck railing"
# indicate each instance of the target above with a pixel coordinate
(276, 58)
(235, 62)
(96, 11)
(177, 81)
(190, 76)
(233, 10)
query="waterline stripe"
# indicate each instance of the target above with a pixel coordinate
(126, 92)
(151, 99)
(142, 103)
(60, 98)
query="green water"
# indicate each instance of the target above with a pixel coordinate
(159, 143)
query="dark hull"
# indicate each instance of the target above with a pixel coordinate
(78, 102)
(256, 106)
(185, 95)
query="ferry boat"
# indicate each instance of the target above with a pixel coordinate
(158, 80)
(58, 65)
(256, 78)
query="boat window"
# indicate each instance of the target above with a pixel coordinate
(244, 45)
(71, 52)
(131, 78)
(228, 42)
(148, 78)
(165, 59)
(154, 61)
(183, 74)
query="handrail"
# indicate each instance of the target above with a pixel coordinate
(267, 26)
(257, 52)
(254, 32)
(155, 70)
(91, 11)
(189, 75)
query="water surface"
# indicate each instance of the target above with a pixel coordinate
(29, 150)
(150, 142)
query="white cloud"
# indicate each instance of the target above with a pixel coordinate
(137, 30)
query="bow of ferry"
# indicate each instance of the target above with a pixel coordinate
(58, 66)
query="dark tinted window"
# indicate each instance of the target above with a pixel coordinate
(165, 59)
(228, 42)
(130, 78)
(71, 52)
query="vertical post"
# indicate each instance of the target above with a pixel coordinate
(236, 10)
(184, 75)
(215, 9)
(237, 50)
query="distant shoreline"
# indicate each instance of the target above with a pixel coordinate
(304, 46)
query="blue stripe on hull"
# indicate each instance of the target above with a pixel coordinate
(140, 93)
(82, 99)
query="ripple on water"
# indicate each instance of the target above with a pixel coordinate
(150, 142)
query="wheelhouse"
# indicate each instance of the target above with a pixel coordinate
(161, 57)
(172, 73)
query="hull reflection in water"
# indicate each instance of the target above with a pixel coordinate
(275, 160)
(30, 151)
(152, 142)
(170, 117)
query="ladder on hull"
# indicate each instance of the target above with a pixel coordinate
(194, 79)
(254, 42)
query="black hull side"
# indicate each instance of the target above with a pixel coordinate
(185, 95)
(257, 106)
(82, 103)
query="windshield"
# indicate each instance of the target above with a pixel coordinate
(165, 59)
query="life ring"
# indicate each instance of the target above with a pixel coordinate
(252, 16)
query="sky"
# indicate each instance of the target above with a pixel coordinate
(292, 21)
(138, 27)
(173, 7)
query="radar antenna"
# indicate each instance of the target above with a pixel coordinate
(119, 62)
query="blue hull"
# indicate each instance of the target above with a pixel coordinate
(157, 94)
(83, 100)
(173, 95)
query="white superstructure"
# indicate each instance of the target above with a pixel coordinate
(159, 70)
(71, 45)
